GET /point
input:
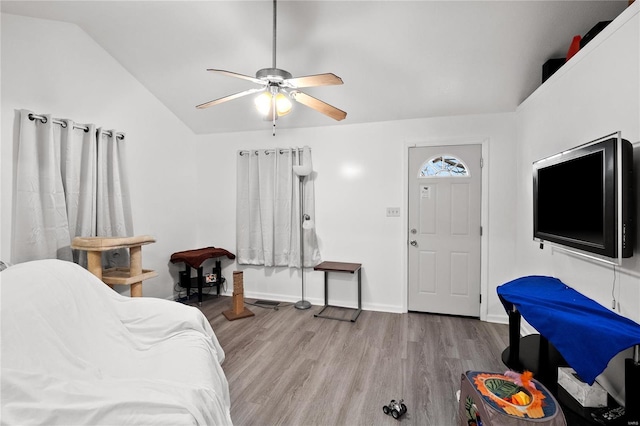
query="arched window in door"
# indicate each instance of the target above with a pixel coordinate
(444, 166)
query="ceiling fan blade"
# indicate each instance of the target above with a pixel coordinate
(236, 75)
(327, 79)
(228, 98)
(318, 105)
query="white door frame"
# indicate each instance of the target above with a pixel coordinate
(484, 214)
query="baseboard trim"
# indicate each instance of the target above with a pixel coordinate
(376, 307)
(320, 302)
(498, 319)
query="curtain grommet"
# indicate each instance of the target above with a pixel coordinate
(34, 117)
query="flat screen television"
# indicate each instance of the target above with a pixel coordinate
(583, 198)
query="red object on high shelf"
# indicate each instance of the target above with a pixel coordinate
(194, 259)
(574, 47)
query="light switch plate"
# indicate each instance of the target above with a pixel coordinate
(393, 211)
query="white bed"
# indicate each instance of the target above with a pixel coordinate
(75, 352)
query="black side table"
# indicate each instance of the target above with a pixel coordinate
(339, 267)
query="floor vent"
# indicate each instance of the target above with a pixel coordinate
(266, 302)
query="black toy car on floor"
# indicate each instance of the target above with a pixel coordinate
(396, 408)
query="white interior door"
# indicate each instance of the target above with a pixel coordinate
(445, 229)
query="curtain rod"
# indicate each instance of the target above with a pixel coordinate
(268, 151)
(43, 120)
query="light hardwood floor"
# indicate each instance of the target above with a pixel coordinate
(286, 367)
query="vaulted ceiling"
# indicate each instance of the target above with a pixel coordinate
(398, 59)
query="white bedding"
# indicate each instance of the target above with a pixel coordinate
(74, 352)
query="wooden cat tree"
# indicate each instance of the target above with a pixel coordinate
(238, 311)
(132, 276)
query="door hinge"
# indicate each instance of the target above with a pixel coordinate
(480, 298)
(481, 162)
(481, 231)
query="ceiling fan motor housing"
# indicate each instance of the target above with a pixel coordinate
(274, 75)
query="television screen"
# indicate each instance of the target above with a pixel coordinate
(576, 197)
(567, 184)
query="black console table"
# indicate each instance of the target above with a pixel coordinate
(574, 331)
(534, 353)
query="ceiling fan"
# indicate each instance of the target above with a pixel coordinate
(278, 86)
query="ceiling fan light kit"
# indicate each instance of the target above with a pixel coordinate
(279, 86)
(273, 98)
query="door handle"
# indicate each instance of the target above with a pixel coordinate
(413, 243)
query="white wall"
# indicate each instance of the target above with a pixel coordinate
(54, 67)
(360, 172)
(594, 94)
(597, 92)
(183, 186)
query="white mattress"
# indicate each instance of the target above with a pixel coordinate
(75, 352)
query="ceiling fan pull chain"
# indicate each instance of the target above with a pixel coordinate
(273, 111)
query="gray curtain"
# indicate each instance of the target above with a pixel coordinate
(268, 209)
(71, 181)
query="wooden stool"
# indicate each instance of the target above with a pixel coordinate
(132, 276)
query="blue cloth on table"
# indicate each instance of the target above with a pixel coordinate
(586, 333)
